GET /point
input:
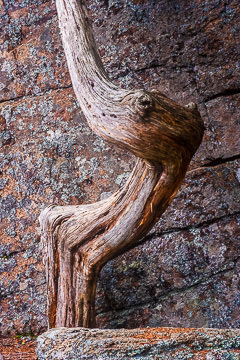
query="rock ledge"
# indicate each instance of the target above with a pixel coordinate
(149, 343)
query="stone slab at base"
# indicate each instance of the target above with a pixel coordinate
(149, 343)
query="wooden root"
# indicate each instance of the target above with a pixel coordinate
(79, 240)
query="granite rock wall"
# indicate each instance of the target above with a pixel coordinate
(186, 271)
(142, 344)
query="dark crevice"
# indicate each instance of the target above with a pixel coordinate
(13, 253)
(227, 92)
(35, 95)
(3, 296)
(186, 228)
(228, 267)
(126, 72)
(203, 280)
(153, 65)
(220, 161)
(12, 99)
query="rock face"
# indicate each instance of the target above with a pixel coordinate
(186, 271)
(151, 344)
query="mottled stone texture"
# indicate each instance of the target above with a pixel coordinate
(149, 344)
(186, 271)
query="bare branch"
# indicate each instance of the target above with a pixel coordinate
(79, 240)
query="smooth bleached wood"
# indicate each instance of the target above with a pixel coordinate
(79, 240)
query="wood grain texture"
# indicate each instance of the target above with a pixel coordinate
(79, 240)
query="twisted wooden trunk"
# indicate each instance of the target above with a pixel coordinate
(79, 240)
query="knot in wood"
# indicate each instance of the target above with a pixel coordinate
(80, 239)
(145, 101)
(142, 102)
(191, 106)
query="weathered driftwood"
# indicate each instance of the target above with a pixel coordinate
(79, 240)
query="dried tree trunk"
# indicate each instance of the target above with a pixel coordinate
(79, 240)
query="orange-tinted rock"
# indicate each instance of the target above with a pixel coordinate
(18, 347)
(151, 344)
(188, 50)
(53, 158)
(32, 60)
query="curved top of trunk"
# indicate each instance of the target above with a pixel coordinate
(147, 123)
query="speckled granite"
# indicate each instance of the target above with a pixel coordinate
(186, 272)
(152, 344)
